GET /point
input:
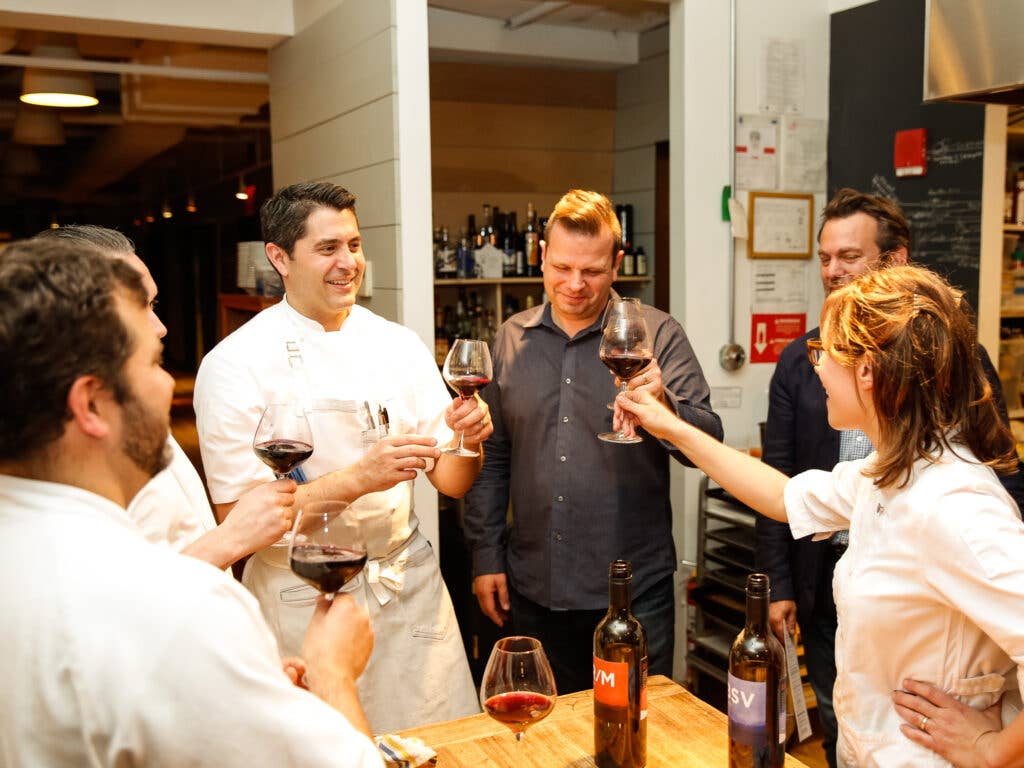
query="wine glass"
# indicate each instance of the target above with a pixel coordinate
(625, 348)
(518, 688)
(326, 549)
(283, 439)
(467, 369)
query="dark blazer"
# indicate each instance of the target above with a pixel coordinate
(798, 438)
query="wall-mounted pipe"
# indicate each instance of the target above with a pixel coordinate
(732, 356)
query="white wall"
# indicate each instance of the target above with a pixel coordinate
(699, 125)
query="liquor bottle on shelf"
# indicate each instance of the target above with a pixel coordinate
(756, 689)
(464, 262)
(494, 227)
(620, 678)
(531, 242)
(440, 336)
(641, 262)
(1019, 198)
(628, 266)
(444, 254)
(483, 234)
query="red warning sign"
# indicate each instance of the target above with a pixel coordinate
(769, 335)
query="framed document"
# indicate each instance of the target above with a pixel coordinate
(781, 225)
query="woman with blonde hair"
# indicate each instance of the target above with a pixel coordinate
(931, 588)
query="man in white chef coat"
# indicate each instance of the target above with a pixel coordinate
(346, 365)
(114, 650)
(172, 508)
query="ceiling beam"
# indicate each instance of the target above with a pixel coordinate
(129, 68)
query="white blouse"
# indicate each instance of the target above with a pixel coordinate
(931, 588)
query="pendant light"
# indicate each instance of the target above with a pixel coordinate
(57, 87)
(242, 193)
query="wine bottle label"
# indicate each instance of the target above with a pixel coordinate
(612, 683)
(747, 711)
(782, 709)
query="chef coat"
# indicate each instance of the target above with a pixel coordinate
(931, 588)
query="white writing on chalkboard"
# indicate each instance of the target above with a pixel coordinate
(949, 152)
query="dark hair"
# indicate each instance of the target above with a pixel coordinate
(283, 216)
(916, 333)
(58, 321)
(586, 212)
(893, 229)
(92, 235)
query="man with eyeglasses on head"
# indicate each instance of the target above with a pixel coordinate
(859, 233)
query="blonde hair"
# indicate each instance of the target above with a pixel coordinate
(588, 212)
(918, 336)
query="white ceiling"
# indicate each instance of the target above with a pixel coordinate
(604, 15)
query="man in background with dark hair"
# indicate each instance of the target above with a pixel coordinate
(859, 233)
(114, 651)
(172, 508)
(347, 367)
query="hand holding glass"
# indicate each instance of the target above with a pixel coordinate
(518, 688)
(326, 549)
(283, 439)
(625, 348)
(467, 369)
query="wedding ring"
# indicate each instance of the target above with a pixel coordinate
(924, 722)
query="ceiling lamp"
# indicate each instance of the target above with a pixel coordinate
(190, 205)
(242, 193)
(57, 87)
(166, 211)
(38, 127)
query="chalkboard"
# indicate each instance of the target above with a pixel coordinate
(875, 86)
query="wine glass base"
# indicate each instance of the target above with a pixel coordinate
(460, 452)
(615, 437)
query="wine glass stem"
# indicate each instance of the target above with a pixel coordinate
(620, 432)
(461, 434)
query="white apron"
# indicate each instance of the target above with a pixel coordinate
(418, 672)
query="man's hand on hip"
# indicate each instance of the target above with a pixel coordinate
(491, 590)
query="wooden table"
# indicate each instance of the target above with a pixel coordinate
(681, 731)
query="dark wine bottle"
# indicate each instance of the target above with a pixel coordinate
(757, 687)
(620, 678)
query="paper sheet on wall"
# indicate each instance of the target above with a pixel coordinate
(757, 157)
(803, 144)
(780, 286)
(780, 80)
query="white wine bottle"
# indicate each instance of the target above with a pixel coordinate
(757, 687)
(620, 678)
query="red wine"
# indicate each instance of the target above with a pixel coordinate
(326, 566)
(625, 366)
(283, 456)
(467, 386)
(519, 709)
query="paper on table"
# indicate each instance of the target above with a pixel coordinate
(796, 689)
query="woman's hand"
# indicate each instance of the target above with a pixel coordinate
(962, 735)
(638, 407)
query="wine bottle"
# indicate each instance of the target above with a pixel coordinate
(757, 687)
(620, 678)
(531, 242)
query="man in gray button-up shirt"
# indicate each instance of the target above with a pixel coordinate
(577, 502)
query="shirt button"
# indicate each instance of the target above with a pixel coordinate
(565, 419)
(561, 458)
(568, 381)
(558, 537)
(561, 498)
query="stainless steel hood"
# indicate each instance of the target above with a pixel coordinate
(974, 51)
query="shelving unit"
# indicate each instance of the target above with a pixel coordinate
(725, 555)
(495, 290)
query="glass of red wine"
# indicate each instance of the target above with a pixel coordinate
(625, 348)
(283, 439)
(326, 549)
(467, 369)
(518, 687)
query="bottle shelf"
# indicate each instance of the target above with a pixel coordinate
(1014, 228)
(516, 280)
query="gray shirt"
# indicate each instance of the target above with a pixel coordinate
(577, 502)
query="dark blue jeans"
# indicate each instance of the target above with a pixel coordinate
(568, 636)
(819, 638)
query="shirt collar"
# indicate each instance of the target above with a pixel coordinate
(543, 317)
(44, 496)
(311, 325)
